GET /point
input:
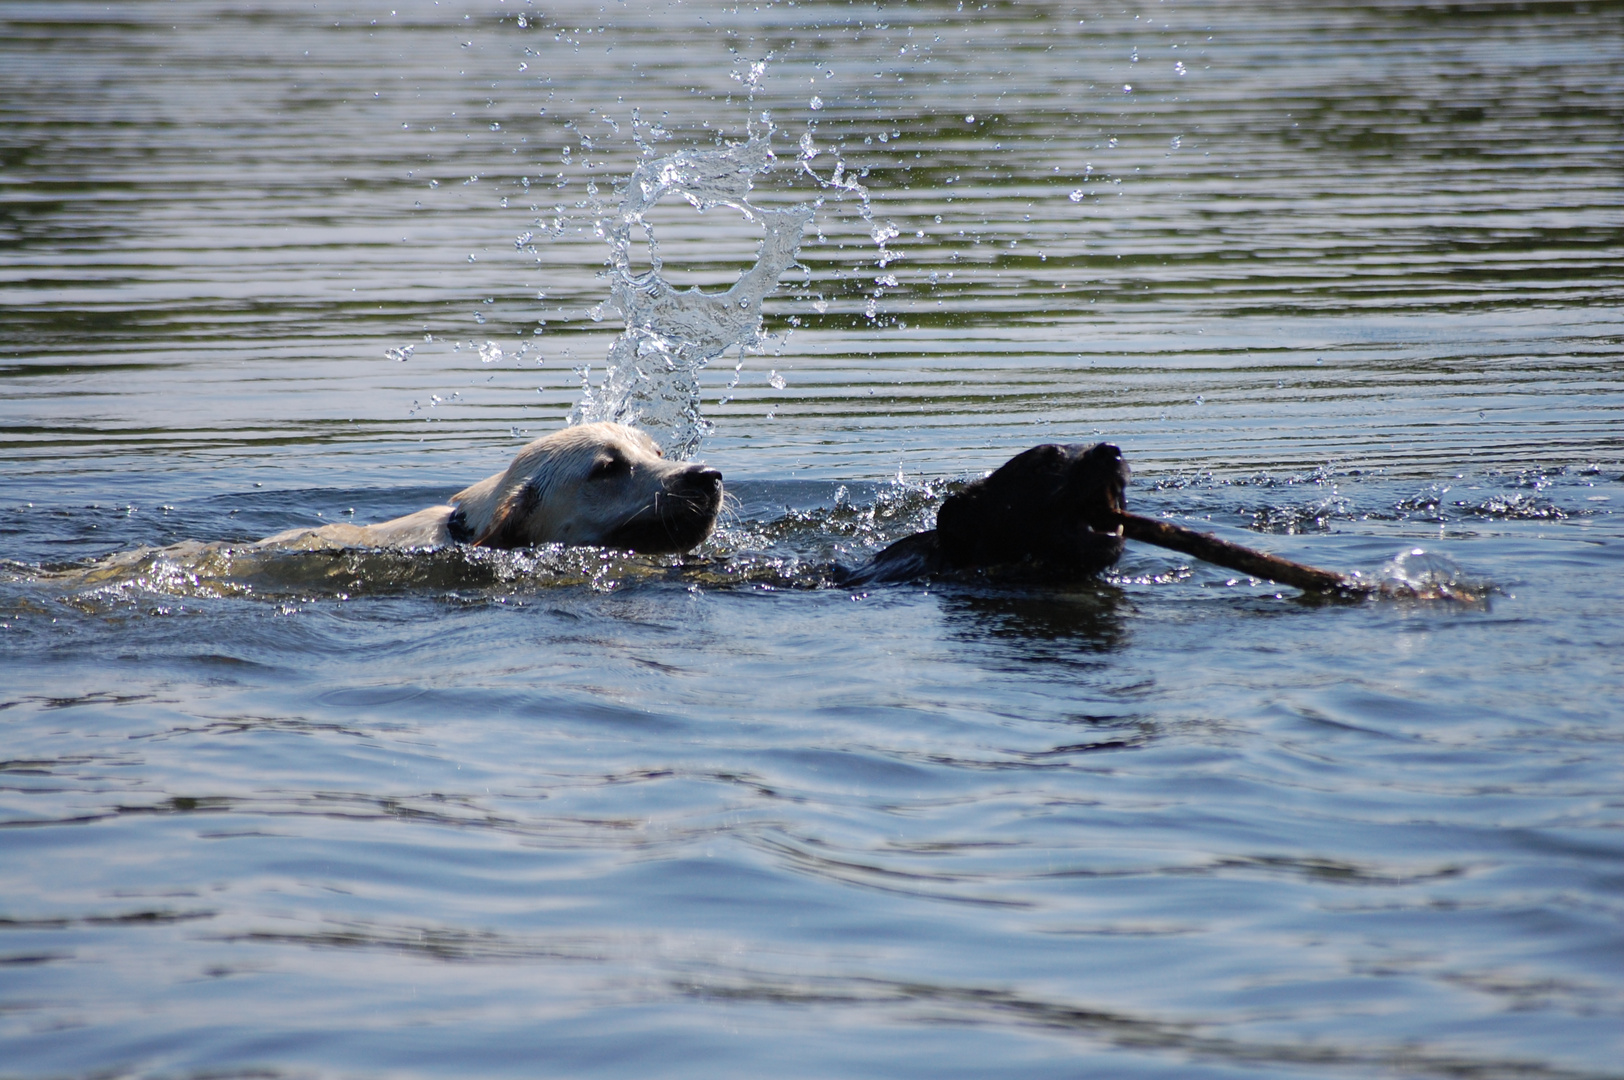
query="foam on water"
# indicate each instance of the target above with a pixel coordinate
(671, 334)
(197, 571)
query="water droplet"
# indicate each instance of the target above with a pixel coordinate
(402, 352)
(815, 104)
(970, 119)
(776, 381)
(1077, 196)
(1178, 68)
(490, 353)
(1127, 88)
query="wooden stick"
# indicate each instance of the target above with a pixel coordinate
(1209, 548)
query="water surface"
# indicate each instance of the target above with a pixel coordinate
(1342, 281)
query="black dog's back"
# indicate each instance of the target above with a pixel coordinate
(1046, 512)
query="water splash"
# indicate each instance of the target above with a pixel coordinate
(1426, 575)
(321, 570)
(671, 334)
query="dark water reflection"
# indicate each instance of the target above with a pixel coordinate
(1343, 281)
(1079, 621)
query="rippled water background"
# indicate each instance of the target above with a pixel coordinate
(1341, 279)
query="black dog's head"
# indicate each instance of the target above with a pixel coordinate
(1050, 505)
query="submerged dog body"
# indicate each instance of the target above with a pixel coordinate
(1046, 512)
(1050, 513)
(601, 484)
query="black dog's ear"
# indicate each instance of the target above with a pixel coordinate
(999, 518)
(506, 529)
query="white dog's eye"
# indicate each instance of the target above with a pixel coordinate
(608, 466)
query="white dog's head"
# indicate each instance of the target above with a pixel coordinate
(604, 484)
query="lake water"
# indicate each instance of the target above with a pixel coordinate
(1342, 280)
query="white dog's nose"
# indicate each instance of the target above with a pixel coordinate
(698, 480)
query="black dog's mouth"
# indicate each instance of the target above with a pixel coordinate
(682, 516)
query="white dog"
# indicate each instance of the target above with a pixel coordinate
(603, 484)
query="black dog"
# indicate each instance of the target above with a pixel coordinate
(1047, 512)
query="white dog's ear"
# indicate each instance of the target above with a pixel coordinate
(506, 529)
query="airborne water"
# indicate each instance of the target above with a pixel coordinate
(653, 368)
(1342, 282)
